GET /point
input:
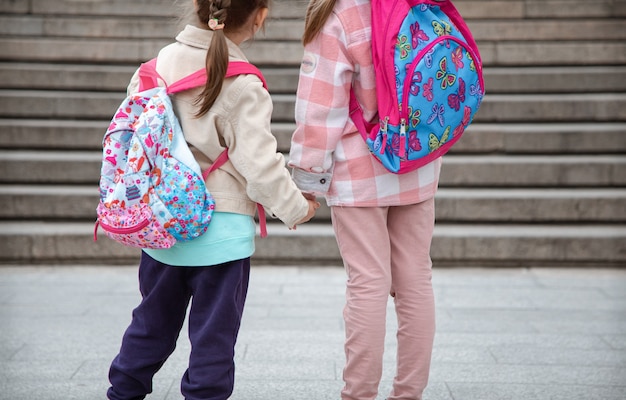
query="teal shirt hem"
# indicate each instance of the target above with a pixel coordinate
(230, 237)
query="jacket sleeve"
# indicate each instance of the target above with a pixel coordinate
(133, 86)
(252, 149)
(322, 107)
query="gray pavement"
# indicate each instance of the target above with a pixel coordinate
(514, 334)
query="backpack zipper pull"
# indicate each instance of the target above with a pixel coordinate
(383, 129)
(402, 150)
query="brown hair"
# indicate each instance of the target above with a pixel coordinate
(233, 14)
(317, 14)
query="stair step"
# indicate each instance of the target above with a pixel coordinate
(549, 79)
(552, 53)
(44, 202)
(109, 78)
(78, 167)
(291, 29)
(47, 76)
(507, 80)
(85, 27)
(540, 9)
(504, 9)
(607, 107)
(553, 107)
(124, 28)
(123, 8)
(457, 245)
(533, 171)
(521, 53)
(485, 30)
(52, 134)
(479, 138)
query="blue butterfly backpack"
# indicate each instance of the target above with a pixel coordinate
(429, 82)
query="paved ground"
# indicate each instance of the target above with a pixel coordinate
(514, 334)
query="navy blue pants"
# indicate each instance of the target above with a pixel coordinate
(217, 295)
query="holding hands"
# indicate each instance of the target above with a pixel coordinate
(313, 206)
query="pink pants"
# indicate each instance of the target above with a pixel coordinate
(386, 251)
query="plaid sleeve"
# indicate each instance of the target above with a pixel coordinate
(322, 104)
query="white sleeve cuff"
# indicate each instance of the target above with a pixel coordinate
(312, 182)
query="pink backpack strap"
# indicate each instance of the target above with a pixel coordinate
(198, 78)
(221, 160)
(356, 114)
(243, 68)
(148, 75)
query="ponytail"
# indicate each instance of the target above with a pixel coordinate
(317, 14)
(216, 56)
(221, 16)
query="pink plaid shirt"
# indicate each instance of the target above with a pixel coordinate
(328, 154)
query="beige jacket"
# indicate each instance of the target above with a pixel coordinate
(240, 121)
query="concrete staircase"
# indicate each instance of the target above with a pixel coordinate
(539, 178)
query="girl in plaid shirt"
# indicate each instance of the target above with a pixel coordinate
(383, 222)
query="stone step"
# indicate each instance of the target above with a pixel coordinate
(137, 9)
(83, 167)
(453, 245)
(563, 138)
(115, 78)
(504, 80)
(540, 9)
(289, 53)
(483, 30)
(470, 9)
(534, 171)
(65, 202)
(601, 107)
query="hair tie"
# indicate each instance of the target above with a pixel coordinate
(214, 24)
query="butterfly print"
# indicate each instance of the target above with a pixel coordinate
(414, 117)
(457, 58)
(441, 28)
(476, 91)
(414, 143)
(455, 99)
(447, 79)
(404, 46)
(395, 145)
(435, 143)
(378, 143)
(428, 89)
(428, 58)
(472, 65)
(397, 72)
(415, 81)
(438, 114)
(467, 112)
(418, 35)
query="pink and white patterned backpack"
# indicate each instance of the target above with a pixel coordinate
(152, 190)
(429, 82)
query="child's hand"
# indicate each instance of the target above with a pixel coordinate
(308, 196)
(313, 206)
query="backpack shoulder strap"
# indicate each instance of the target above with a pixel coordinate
(198, 78)
(148, 75)
(242, 68)
(356, 114)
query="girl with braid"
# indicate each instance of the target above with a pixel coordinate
(212, 271)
